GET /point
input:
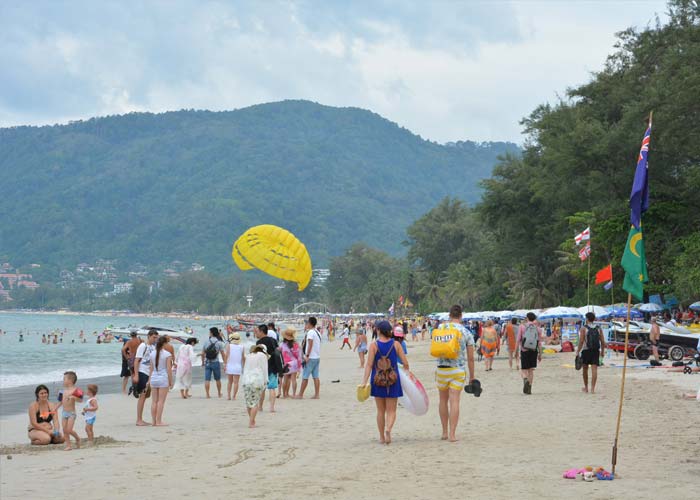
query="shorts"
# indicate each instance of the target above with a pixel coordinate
(272, 381)
(590, 357)
(311, 369)
(90, 421)
(126, 372)
(528, 360)
(143, 382)
(450, 377)
(212, 368)
(68, 414)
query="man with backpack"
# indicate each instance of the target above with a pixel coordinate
(212, 349)
(591, 347)
(453, 347)
(529, 350)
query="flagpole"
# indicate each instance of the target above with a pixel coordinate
(588, 300)
(622, 385)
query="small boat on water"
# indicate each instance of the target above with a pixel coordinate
(178, 335)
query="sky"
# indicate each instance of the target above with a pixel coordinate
(446, 70)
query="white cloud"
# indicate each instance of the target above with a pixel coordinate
(445, 70)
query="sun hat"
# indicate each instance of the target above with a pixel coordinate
(289, 334)
(398, 331)
(235, 338)
(383, 326)
(260, 348)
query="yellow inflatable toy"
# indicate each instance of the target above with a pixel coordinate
(274, 251)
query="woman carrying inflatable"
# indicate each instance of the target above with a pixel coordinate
(453, 347)
(382, 363)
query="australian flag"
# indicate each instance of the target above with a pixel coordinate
(639, 198)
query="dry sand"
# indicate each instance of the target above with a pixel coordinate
(512, 445)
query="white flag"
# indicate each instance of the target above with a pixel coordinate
(585, 235)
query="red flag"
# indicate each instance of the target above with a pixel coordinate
(585, 252)
(604, 275)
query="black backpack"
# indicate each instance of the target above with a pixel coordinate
(212, 351)
(593, 338)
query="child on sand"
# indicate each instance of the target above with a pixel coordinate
(89, 412)
(69, 396)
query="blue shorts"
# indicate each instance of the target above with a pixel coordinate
(212, 367)
(311, 369)
(272, 381)
(91, 420)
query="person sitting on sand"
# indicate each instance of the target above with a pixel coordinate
(385, 394)
(254, 380)
(44, 427)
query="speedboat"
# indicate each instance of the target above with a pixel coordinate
(178, 335)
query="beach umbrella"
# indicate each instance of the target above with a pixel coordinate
(620, 311)
(600, 312)
(695, 306)
(560, 313)
(472, 316)
(504, 314)
(520, 313)
(651, 307)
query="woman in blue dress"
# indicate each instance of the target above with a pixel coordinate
(386, 398)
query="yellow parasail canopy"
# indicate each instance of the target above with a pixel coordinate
(274, 251)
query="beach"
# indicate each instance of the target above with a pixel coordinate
(510, 445)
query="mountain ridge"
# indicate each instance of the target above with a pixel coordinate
(182, 185)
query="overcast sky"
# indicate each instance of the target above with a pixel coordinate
(445, 70)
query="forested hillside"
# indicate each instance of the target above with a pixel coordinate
(516, 247)
(153, 188)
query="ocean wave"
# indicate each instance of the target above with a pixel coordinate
(8, 380)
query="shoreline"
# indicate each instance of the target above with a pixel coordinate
(15, 400)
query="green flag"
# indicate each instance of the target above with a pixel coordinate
(634, 262)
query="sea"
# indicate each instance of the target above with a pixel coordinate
(31, 362)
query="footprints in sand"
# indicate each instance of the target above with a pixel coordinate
(246, 454)
(288, 455)
(241, 457)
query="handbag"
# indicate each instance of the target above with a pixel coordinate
(578, 362)
(363, 393)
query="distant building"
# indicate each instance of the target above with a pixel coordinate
(122, 288)
(32, 285)
(171, 273)
(320, 276)
(197, 267)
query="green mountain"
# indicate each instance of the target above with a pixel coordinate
(153, 188)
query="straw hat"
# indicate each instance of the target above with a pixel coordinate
(289, 334)
(260, 348)
(235, 338)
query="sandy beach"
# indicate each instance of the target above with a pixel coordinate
(511, 445)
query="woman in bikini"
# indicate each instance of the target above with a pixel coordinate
(43, 423)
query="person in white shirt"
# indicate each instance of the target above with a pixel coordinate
(345, 336)
(161, 379)
(311, 358)
(272, 332)
(142, 370)
(254, 380)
